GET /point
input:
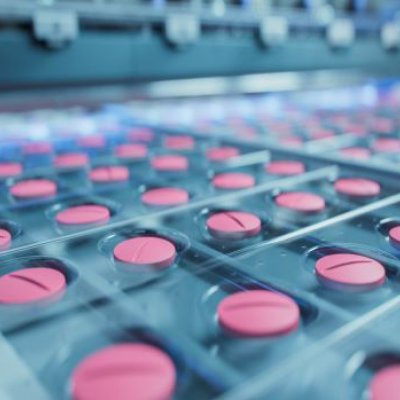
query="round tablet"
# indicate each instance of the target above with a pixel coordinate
(92, 141)
(284, 167)
(356, 129)
(357, 187)
(233, 224)
(360, 153)
(179, 142)
(394, 235)
(71, 160)
(165, 196)
(258, 313)
(37, 148)
(383, 125)
(319, 134)
(5, 239)
(222, 153)
(34, 188)
(233, 180)
(303, 202)
(113, 173)
(131, 151)
(347, 271)
(385, 385)
(151, 251)
(30, 285)
(387, 145)
(170, 163)
(292, 141)
(9, 169)
(84, 214)
(141, 135)
(125, 371)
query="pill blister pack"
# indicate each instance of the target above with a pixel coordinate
(141, 259)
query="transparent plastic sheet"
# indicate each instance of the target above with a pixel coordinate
(173, 300)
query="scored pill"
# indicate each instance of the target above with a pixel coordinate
(133, 151)
(170, 163)
(361, 153)
(222, 153)
(285, 167)
(34, 188)
(165, 196)
(31, 285)
(385, 384)
(141, 135)
(92, 141)
(9, 169)
(258, 313)
(394, 235)
(125, 371)
(113, 173)
(350, 272)
(36, 148)
(5, 239)
(387, 145)
(233, 225)
(233, 180)
(71, 160)
(303, 202)
(357, 187)
(83, 214)
(179, 142)
(149, 251)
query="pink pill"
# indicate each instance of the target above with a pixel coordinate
(285, 167)
(356, 129)
(383, 125)
(170, 163)
(351, 272)
(9, 169)
(357, 187)
(30, 285)
(394, 235)
(71, 160)
(233, 180)
(179, 142)
(125, 371)
(258, 313)
(222, 153)
(292, 141)
(113, 173)
(233, 224)
(387, 145)
(132, 151)
(150, 251)
(141, 135)
(92, 141)
(385, 385)
(37, 148)
(303, 202)
(319, 134)
(360, 153)
(84, 214)
(34, 188)
(5, 239)
(166, 196)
